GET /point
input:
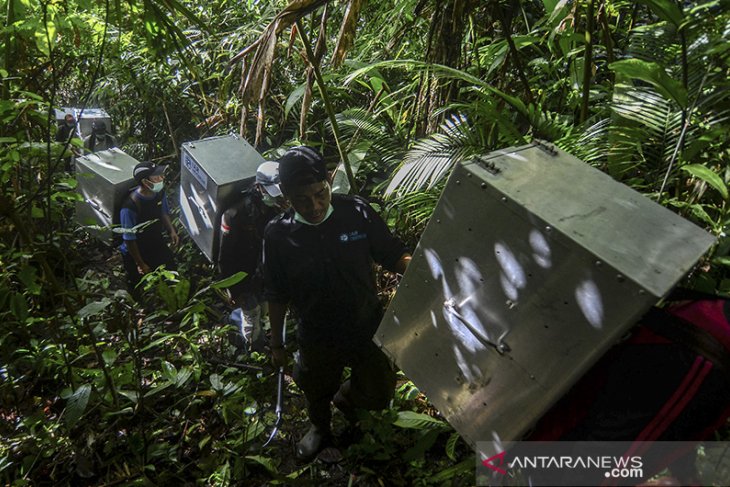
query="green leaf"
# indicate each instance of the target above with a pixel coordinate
(28, 276)
(294, 98)
(94, 308)
(157, 388)
(182, 292)
(164, 338)
(253, 430)
(183, 376)
(215, 382)
(426, 441)
(167, 295)
(266, 462)
(555, 7)
(451, 445)
(699, 212)
(109, 356)
(722, 261)
(414, 420)
(19, 307)
(709, 176)
(44, 35)
(666, 10)
(451, 472)
(131, 395)
(655, 75)
(169, 371)
(76, 404)
(229, 281)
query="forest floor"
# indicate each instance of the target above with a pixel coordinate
(366, 458)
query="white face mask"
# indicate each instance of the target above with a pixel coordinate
(157, 187)
(301, 219)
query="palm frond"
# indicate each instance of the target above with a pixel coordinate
(410, 213)
(589, 145)
(655, 42)
(431, 158)
(379, 145)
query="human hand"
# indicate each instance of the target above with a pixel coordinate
(143, 268)
(174, 237)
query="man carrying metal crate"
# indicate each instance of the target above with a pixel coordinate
(318, 258)
(144, 248)
(242, 233)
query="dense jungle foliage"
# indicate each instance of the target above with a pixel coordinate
(95, 390)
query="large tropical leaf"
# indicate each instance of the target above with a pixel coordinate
(653, 74)
(430, 159)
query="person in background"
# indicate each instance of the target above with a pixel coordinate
(66, 129)
(99, 139)
(318, 259)
(242, 233)
(144, 249)
(65, 132)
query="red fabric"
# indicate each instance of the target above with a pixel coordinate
(706, 314)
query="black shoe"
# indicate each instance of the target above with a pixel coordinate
(312, 443)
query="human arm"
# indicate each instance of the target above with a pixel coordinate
(167, 222)
(385, 248)
(170, 230)
(137, 256)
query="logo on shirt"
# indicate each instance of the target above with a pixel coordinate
(352, 236)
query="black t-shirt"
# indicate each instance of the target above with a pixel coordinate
(325, 272)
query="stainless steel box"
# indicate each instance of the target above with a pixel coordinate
(104, 180)
(532, 265)
(213, 173)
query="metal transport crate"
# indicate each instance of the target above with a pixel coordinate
(85, 119)
(104, 180)
(213, 173)
(532, 266)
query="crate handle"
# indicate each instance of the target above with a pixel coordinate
(97, 207)
(500, 345)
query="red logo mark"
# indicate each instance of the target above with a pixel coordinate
(495, 466)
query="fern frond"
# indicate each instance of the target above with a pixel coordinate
(431, 158)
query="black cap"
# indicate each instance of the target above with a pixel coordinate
(98, 126)
(146, 169)
(301, 165)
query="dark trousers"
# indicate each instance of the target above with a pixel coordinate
(318, 373)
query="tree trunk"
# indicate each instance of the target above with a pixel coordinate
(587, 62)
